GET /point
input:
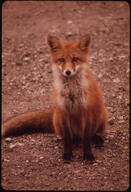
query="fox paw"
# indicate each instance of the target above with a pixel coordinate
(67, 156)
(89, 157)
(98, 141)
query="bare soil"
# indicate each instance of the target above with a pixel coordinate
(34, 162)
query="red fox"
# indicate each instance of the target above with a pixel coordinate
(79, 110)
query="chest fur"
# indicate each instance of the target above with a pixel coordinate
(71, 92)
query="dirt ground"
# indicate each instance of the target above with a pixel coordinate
(34, 162)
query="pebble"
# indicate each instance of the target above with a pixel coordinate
(111, 59)
(26, 58)
(41, 157)
(69, 34)
(98, 161)
(121, 121)
(77, 171)
(58, 138)
(110, 137)
(100, 75)
(15, 145)
(8, 139)
(59, 160)
(19, 63)
(33, 140)
(94, 164)
(27, 54)
(20, 144)
(117, 80)
(52, 31)
(6, 160)
(22, 172)
(119, 97)
(111, 122)
(21, 45)
(113, 95)
(50, 71)
(12, 146)
(121, 117)
(69, 22)
(122, 56)
(125, 147)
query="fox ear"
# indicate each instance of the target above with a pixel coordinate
(84, 43)
(53, 43)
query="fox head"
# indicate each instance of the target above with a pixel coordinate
(68, 57)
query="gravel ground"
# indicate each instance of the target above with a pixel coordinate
(34, 162)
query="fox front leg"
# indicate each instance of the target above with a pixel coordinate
(67, 143)
(87, 151)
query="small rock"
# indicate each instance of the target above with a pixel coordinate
(20, 144)
(110, 136)
(111, 122)
(33, 140)
(15, 145)
(113, 95)
(127, 103)
(26, 58)
(121, 117)
(52, 30)
(26, 54)
(18, 63)
(21, 45)
(111, 58)
(122, 56)
(125, 147)
(59, 160)
(50, 71)
(69, 22)
(117, 80)
(100, 75)
(40, 51)
(6, 160)
(22, 172)
(121, 121)
(58, 138)
(98, 161)
(53, 173)
(8, 139)
(120, 97)
(77, 171)
(94, 164)
(12, 146)
(69, 34)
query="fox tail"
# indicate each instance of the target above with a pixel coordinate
(30, 122)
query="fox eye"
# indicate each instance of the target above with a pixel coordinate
(61, 60)
(75, 59)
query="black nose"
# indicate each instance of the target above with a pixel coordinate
(68, 72)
